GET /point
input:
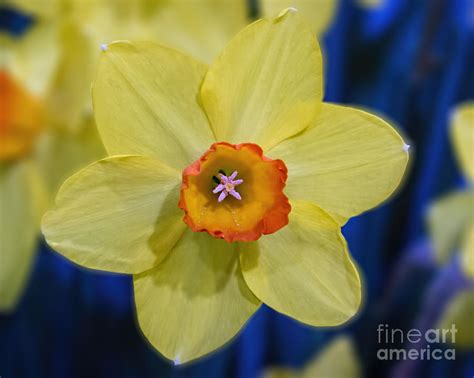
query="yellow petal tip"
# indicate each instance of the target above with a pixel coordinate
(284, 12)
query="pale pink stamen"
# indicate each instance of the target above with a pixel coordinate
(234, 194)
(227, 186)
(222, 196)
(219, 188)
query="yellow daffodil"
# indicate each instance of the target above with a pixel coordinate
(459, 313)
(451, 219)
(337, 360)
(319, 12)
(263, 172)
(36, 152)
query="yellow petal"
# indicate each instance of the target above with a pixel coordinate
(196, 300)
(304, 270)
(146, 103)
(448, 220)
(69, 93)
(459, 313)
(337, 360)
(347, 162)
(467, 250)
(61, 153)
(462, 132)
(200, 28)
(318, 12)
(267, 84)
(21, 206)
(119, 214)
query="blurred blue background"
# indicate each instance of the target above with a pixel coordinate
(409, 60)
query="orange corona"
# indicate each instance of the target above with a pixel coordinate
(235, 193)
(20, 119)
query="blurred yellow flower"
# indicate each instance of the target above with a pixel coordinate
(45, 63)
(451, 221)
(36, 152)
(163, 117)
(337, 360)
(451, 218)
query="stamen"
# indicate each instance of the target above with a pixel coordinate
(219, 188)
(234, 194)
(222, 196)
(227, 186)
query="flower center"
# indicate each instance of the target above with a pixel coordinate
(235, 193)
(227, 186)
(20, 119)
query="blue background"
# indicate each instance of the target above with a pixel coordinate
(411, 61)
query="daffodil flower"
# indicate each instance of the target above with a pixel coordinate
(451, 221)
(451, 218)
(337, 360)
(36, 152)
(171, 126)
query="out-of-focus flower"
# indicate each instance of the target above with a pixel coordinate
(162, 117)
(36, 152)
(451, 219)
(459, 312)
(52, 66)
(337, 360)
(319, 12)
(201, 27)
